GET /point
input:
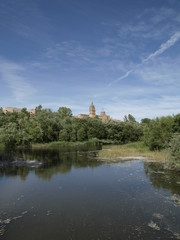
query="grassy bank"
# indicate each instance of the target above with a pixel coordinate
(136, 149)
(62, 144)
(2, 146)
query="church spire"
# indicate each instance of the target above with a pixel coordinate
(92, 111)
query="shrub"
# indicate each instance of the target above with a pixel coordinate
(175, 148)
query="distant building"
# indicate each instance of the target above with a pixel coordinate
(32, 111)
(104, 117)
(13, 109)
(92, 114)
(92, 111)
(82, 116)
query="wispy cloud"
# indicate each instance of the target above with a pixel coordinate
(68, 50)
(152, 23)
(12, 74)
(143, 100)
(163, 47)
(25, 19)
(161, 72)
(120, 78)
(141, 108)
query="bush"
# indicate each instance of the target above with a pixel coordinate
(175, 148)
(158, 132)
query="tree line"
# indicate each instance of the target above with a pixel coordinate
(22, 129)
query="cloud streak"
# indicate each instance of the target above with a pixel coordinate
(120, 78)
(11, 74)
(163, 47)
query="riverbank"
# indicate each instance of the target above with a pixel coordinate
(57, 145)
(61, 144)
(2, 146)
(132, 151)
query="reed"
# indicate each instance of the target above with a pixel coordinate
(137, 149)
(61, 144)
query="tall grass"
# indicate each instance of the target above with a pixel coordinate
(2, 146)
(136, 149)
(61, 144)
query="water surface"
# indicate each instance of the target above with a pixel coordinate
(69, 194)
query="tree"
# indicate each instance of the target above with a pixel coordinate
(176, 125)
(64, 135)
(175, 148)
(64, 112)
(81, 134)
(125, 118)
(145, 121)
(9, 135)
(158, 132)
(131, 118)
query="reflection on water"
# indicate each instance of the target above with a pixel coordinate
(68, 194)
(45, 163)
(163, 178)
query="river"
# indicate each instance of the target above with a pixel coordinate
(68, 194)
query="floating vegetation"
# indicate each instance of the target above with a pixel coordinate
(2, 230)
(20, 163)
(49, 212)
(158, 216)
(5, 222)
(153, 225)
(177, 235)
(176, 200)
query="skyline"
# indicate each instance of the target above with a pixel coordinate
(123, 56)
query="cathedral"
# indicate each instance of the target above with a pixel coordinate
(92, 114)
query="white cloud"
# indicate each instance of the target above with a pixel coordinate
(164, 46)
(120, 78)
(11, 73)
(162, 72)
(152, 23)
(144, 107)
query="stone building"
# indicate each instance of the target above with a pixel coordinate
(92, 111)
(104, 117)
(92, 114)
(13, 109)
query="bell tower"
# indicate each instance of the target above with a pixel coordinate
(92, 111)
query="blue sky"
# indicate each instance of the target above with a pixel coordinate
(123, 55)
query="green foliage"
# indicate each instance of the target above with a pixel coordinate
(64, 135)
(145, 121)
(124, 132)
(9, 135)
(129, 118)
(176, 125)
(2, 117)
(21, 129)
(157, 133)
(64, 112)
(175, 148)
(81, 134)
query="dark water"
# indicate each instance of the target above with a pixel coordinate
(68, 194)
